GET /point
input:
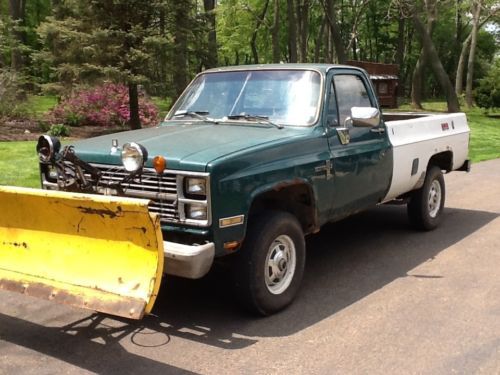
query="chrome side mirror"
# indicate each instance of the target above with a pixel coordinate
(365, 117)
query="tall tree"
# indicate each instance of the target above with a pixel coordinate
(417, 77)
(259, 22)
(292, 31)
(303, 28)
(319, 40)
(436, 65)
(181, 10)
(476, 11)
(331, 16)
(276, 33)
(490, 10)
(211, 61)
(103, 39)
(400, 51)
(17, 11)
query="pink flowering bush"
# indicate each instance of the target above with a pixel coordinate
(106, 105)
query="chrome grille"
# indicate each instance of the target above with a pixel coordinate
(161, 190)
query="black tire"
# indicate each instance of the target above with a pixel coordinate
(425, 208)
(271, 238)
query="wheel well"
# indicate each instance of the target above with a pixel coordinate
(297, 199)
(443, 160)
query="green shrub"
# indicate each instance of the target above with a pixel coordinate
(44, 126)
(488, 91)
(58, 130)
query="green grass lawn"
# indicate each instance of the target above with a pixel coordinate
(485, 130)
(163, 106)
(41, 104)
(18, 160)
(485, 136)
(19, 164)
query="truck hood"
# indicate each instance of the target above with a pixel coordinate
(185, 145)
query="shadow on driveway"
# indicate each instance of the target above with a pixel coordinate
(346, 262)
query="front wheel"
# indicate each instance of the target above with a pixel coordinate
(425, 209)
(268, 269)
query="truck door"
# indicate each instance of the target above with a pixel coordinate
(361, 157)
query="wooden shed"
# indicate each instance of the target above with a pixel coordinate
(385, 80)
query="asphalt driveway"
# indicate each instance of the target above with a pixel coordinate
(377, 297)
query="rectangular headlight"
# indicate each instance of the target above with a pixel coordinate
(196, 186)
(196, 211)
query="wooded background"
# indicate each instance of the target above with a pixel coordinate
(443, 48)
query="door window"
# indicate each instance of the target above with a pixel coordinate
(351, 92)
(332, 117)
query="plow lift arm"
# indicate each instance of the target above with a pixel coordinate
(103, 253)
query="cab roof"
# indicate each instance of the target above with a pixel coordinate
(322, 68)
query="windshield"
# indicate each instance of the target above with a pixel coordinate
(288, 97)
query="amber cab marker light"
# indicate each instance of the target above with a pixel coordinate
(159, 164)
(231, 246)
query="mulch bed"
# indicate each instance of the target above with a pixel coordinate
(29, 130)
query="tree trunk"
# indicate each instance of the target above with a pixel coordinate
(408, 52)
(253, 40)
(335, 32)
(436, 65)
(135, 120)
(292, 32)
(417, 81)
(356, 20)
(472, 53)
(211, 60)
(461, 66)
(354, 47)
(463, 54)
(418, 73)
(330, 53)
(370, 44)
(319, 40)
(180, 60)
(17, 13)
(303, 22)
(400, 52)
(458, 30)
(276, 33)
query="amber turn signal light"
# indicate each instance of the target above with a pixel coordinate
(159, 164)
(231, 246)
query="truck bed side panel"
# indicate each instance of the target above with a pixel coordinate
(415, 141)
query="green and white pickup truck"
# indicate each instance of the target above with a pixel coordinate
(251, 159)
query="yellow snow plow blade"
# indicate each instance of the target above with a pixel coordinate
(97, 252)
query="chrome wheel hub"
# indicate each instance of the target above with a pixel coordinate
(280, 264)
(434, 199)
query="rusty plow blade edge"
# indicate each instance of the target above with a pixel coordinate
(91, 251)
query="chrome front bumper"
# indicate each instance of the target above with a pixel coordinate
(189, 261)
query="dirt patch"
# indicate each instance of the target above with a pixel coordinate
(18, 130)
(29, 130)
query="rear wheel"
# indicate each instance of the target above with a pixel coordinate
(268, 269)
(425, 209)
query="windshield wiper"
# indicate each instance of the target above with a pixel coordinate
(200, 115)
(257, 118)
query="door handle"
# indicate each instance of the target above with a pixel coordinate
(344, 136)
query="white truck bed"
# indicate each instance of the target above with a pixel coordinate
(416, 140)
